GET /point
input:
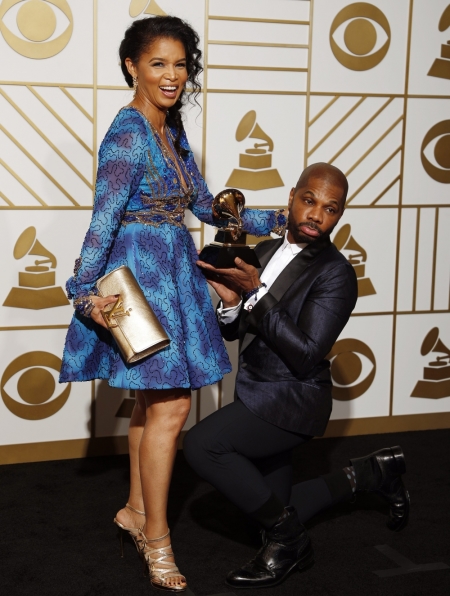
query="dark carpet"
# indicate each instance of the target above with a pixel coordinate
(57, 535)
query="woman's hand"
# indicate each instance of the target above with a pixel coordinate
(99, 305)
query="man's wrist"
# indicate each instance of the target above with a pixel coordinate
(231, 303)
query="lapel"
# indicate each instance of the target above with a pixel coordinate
(264, 252)
(285, 280)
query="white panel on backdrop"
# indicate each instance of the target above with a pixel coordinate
(425, 259)
(60, 234)
(422, 364)
(368, 238)
(34, 407)
(281, 118)
(427, 169)
(442, 271)
(278, 33)
(73, 61)
(387, 75)
(295, 10)
(363, 137)
(405, 279)
(257, 80)
(257, 56)
(372, 348)
(429, 24)
(114, 18)
(41, 154)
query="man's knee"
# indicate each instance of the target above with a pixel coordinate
(196, 448)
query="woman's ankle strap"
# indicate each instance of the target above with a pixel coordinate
(128, 506)
(154, 539)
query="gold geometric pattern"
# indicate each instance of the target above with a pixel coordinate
(345, 129)
(31, 152)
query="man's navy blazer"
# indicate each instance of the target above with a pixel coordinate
(283, 375)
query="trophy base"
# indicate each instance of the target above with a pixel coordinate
(222, 257)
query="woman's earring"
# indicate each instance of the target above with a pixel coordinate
(135, 84)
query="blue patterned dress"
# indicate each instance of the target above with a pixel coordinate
(137, 221)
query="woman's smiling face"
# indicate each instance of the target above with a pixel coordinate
(161, 72)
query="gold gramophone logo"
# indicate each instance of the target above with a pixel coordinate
(360, 36)
(357, 257)
(37, 287)
(441, 66)
(255, 165)
(436, 374)
(37, 21)
(35, 386)
(145, 6)
(347, 367)
(440, 133)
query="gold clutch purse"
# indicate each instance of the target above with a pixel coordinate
(132, 322)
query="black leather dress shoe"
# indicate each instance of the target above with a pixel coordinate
(380, 472)
(286, 547)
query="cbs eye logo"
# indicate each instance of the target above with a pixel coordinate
(367, 36)
(436, 143)
(39, 26)
(352, 375)
(35, 386)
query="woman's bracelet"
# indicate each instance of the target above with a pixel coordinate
(281, 220)
(84, 305)
(250, 293)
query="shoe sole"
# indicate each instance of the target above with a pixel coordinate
(301, 565)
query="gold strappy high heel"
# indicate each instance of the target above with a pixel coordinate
(158, 574)
(133, 532)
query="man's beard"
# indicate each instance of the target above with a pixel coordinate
(298, 236)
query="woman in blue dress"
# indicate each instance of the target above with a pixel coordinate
(146, 178)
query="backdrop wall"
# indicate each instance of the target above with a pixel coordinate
(365, 86)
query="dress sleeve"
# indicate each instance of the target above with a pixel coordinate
(120, 170)
(258, 222)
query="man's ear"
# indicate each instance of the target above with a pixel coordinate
(291, 197)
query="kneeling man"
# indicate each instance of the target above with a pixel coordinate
(287, 316)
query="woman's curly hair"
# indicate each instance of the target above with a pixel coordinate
(141, 34)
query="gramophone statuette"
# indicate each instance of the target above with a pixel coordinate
(229, 242)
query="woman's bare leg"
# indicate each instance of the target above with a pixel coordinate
(157, 420)
(138, 417)
(167, 412)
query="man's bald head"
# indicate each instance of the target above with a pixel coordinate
(326, 172)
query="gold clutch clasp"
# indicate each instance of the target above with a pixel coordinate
(117, 310)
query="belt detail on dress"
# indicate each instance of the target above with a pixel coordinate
(159, 212)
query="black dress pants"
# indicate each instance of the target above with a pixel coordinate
(249, 461)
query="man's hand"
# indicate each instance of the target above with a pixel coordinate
(230, 283)
(100, 304)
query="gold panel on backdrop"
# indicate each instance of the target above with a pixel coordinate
(35, 386)
(37, 287)
(138, 6)
(345, 241)
(441, 66)
(436, 375)
(36, 21)
(255, 172)
(360, 36)
(440, 131)
(346, 368)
